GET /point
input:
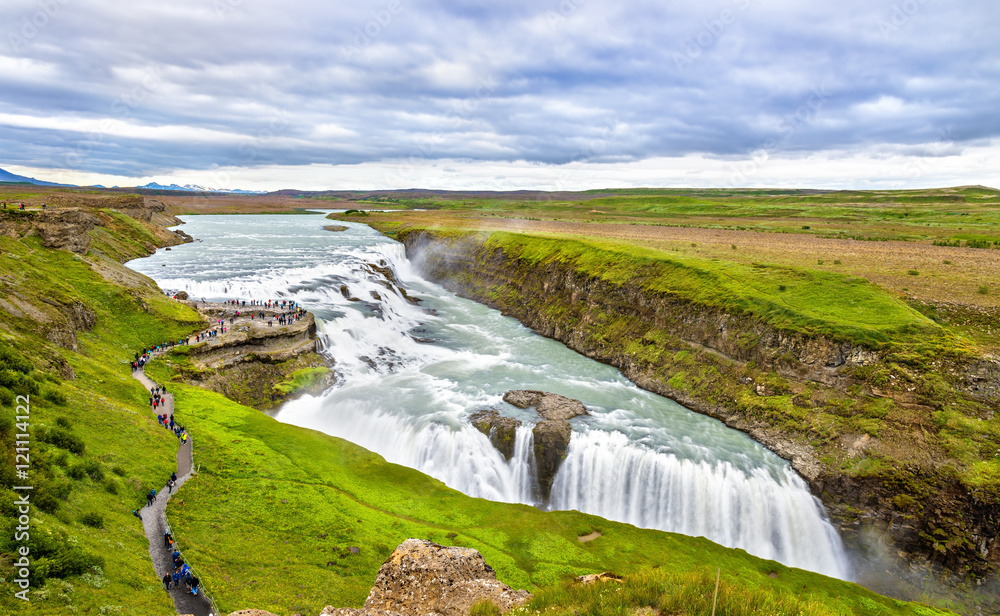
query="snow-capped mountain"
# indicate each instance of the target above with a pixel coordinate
(196, 188)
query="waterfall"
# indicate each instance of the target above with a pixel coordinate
(410, 375)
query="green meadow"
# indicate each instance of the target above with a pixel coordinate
(271, 516)
(816, 303)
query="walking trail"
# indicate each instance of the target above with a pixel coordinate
(154, 520)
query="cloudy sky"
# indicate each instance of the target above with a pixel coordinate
(550, 94)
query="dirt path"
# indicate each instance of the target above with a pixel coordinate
(154, 520)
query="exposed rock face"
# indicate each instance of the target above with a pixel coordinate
(67, 228)
(248, 361)
(502, 431)
(387, 278)
(422, 578)
(551, 442)
(549, 406)
(552, 434)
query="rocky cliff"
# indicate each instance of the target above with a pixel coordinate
(101, 230)
(769, 383)
(254, 363)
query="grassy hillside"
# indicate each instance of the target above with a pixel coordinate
(94, 449)
(838, 306)
(271, 517)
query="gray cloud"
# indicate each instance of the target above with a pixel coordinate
(195, 84)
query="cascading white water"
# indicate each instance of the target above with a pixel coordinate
(410, 375)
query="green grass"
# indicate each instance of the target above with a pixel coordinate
(841, 307)
(95, 448)
(301, 379)
(271, 515)
(740, 593)
(962, 213)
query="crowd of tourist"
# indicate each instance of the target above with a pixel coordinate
(284, 312)
(182, 573)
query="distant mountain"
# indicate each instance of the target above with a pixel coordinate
(195, 188)
(6, 176)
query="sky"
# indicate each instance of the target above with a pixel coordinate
(516, 94)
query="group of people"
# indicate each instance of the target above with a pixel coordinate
(290, 312)
(144, 356)
(182, 571)
(157, 397)
(263, 303)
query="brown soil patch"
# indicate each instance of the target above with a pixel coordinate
(590, 537)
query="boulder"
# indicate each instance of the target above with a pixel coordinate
(422, 578)
(502, 431)
(548, 405)
(594, 578)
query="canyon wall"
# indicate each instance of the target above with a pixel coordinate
(769, 383)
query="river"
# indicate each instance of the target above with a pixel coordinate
(410, 375)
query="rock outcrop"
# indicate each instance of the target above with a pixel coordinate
(502, 431)
(549, 406)
(552, 434)
(422, 578)
(67, 229)
(253, 363)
